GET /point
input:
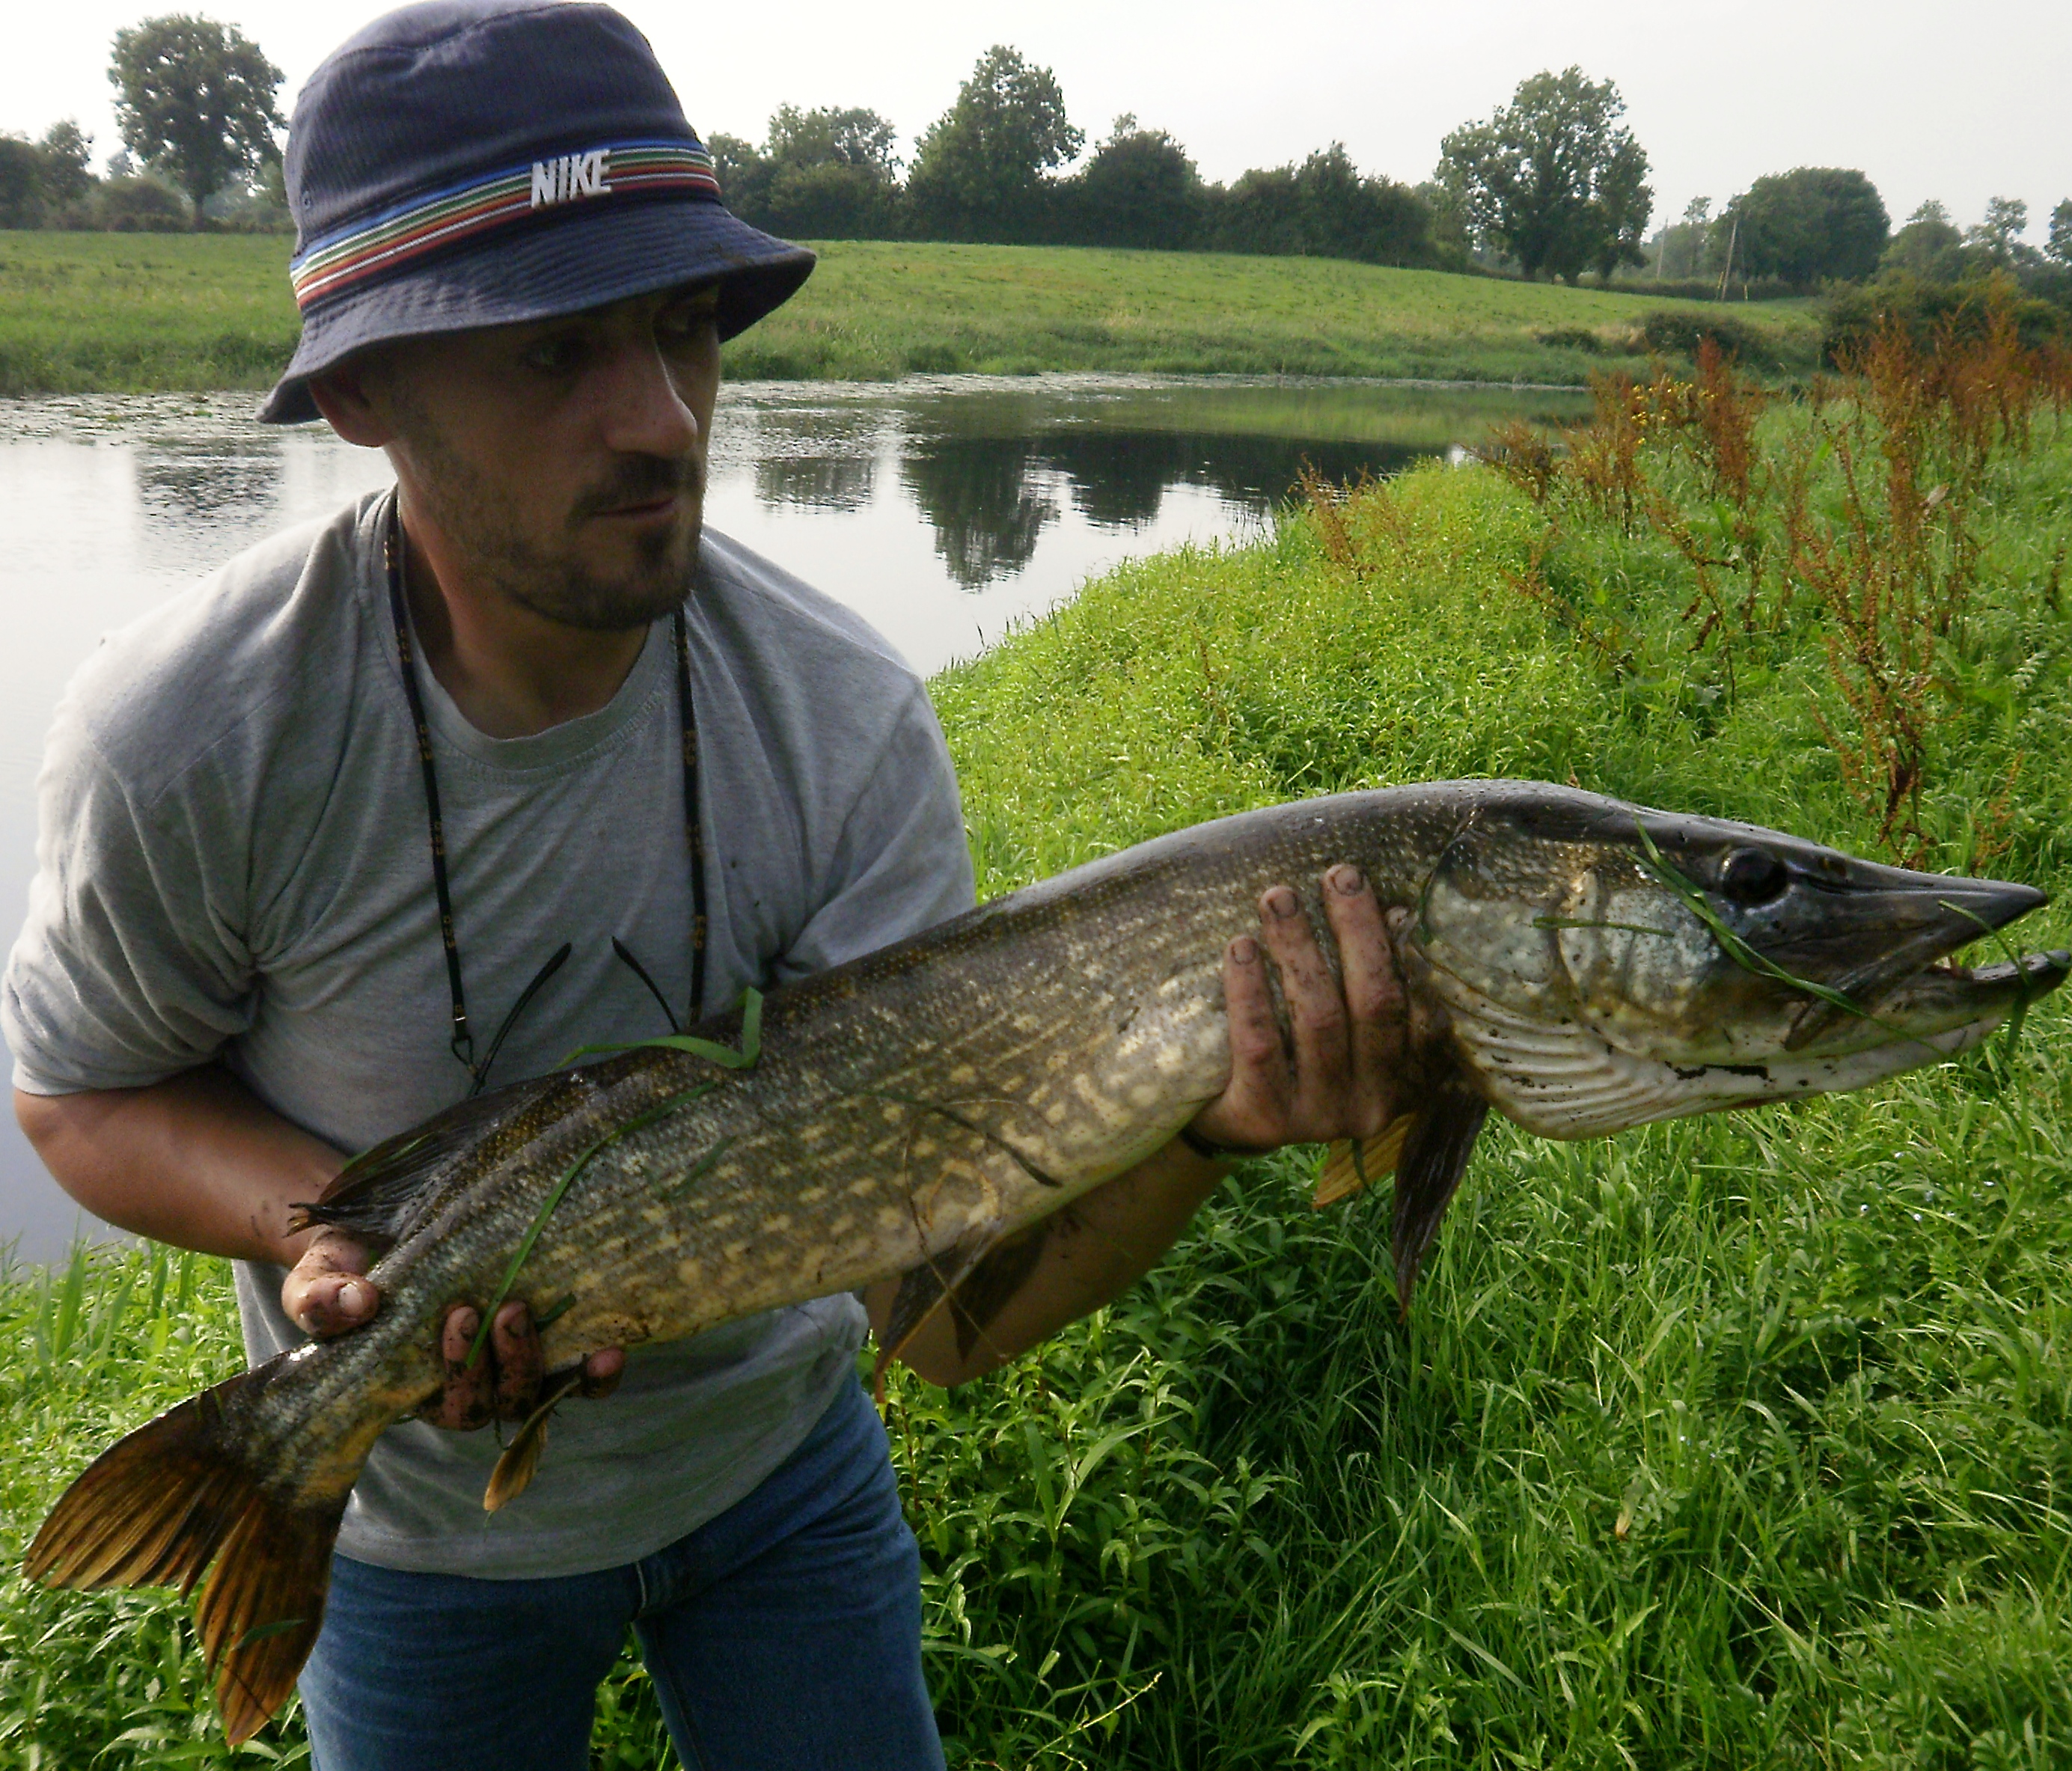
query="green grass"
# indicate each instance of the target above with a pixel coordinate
(127, 312)
(136, 312)
(1741, 1441)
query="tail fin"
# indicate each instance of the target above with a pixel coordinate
(155, 1508)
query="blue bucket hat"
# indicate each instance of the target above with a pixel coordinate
(478, 162)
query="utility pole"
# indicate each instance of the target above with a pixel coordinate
(1727, 271)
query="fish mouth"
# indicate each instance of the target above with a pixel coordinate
(1887, 952)
(1942, 996)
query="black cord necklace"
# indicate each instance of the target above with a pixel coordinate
(462, 1044)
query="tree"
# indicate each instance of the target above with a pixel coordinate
(824, 174)
(21, 182)
(1683, 248)
(1550, 179)
(1325, 208)
(743, 173)
(854, 138)
(980, 171)
(1812, 222)
(1997, 241)
(1139, 189)
(1930, 247)
(2060, 244)
(68, 162)
(831, 175)
(196, 97)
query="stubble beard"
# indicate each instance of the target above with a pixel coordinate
(480, 517)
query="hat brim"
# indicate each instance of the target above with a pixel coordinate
(581, 261)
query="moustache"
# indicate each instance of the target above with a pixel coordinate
(641, 479)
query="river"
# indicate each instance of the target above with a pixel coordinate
(944, 509)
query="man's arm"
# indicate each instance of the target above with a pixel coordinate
(196, 1161)
(1343, 1078)
(199, 1161)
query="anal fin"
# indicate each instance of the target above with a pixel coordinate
(1350, 1164)
(515, 1469)
(975, 1276)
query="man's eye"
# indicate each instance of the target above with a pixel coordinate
(555, 355)
(685, 325)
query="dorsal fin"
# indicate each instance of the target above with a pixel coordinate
(373, 1195)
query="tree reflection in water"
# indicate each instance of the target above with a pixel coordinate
(1002, 472)
(819, 482)
(986, 506)
(990, 497)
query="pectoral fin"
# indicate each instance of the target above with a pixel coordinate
(1434, 1156)
(1349, 1163)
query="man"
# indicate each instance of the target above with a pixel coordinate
(518, 759)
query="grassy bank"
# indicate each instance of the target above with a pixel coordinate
(1738, 1441)
(125, 313)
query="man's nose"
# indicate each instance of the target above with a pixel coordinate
(644, 413)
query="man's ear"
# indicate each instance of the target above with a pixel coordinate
(348, 395)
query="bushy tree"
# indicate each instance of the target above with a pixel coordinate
(1324, 208)
(68, 162)
(139, 204)
(980, 172)
(1812, 224)
(195, 98)
(1140, 188)
(833, 174)
(828, 137)
(742, 173)
(39, 178)
(1930, 247)
(1995, 242)
(21, 182)
(1550, 179)
(2059, 246)
(824, 175)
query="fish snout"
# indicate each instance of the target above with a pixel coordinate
(1879, 940)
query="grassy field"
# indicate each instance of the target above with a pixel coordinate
(1739, 1441)
(127, 312)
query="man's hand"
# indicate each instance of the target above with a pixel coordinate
(1346, 1075)
(326, 1293)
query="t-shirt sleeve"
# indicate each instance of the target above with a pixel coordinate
(131, 967)
(902, 863)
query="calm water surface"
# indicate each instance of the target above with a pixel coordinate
(942, 509)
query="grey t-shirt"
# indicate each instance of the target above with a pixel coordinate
(234, 864)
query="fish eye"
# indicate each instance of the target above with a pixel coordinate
(1754, 876)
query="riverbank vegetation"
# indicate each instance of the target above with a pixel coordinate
(1741, 1441)
(134, 313)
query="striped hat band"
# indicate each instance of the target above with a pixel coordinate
(386, 243)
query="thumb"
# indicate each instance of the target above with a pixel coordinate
(326, 1292)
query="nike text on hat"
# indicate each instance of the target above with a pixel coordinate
(479, 163)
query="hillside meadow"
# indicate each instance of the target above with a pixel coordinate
(1736, 1441)
(132, 313)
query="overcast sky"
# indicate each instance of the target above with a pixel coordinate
(1956, 102)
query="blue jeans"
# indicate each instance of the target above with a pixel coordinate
(785, 1633)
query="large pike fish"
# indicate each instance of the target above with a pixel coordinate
(1584, 965)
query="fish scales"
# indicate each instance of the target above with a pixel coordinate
(1571, 954)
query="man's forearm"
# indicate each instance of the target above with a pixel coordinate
(196, 1161)
(1092, 1252)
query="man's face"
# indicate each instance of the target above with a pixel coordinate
(564, 461)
